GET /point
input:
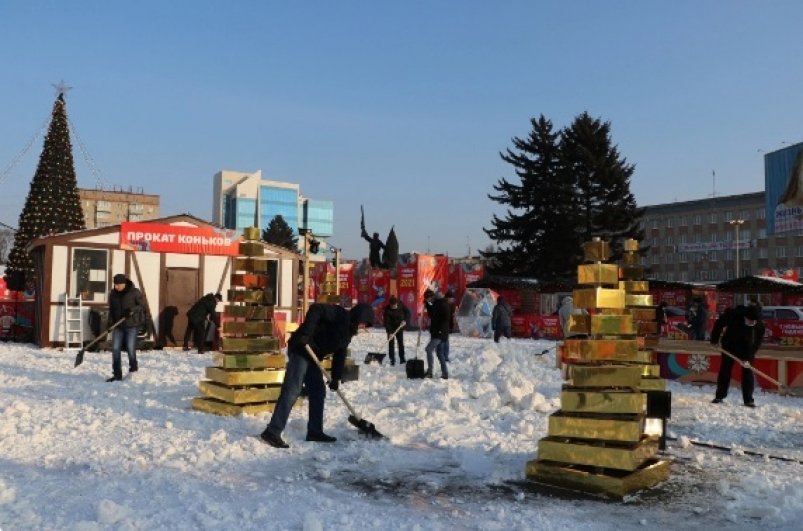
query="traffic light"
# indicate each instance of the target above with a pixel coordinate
(314, 245)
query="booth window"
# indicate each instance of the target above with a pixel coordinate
(88, 279)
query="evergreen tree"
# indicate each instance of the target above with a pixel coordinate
(52, 205)
(538, 227)
(605, 206)
(279, 233)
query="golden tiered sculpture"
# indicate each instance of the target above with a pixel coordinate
(597, 441)
(248, 371)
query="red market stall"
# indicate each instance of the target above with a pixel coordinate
(679, 295)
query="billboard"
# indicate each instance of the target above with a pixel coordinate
(783, 182)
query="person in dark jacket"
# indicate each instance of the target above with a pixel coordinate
(501, 319)
(698, 319)
(125, 302)
(438, 311)
(327, 329)
(660, 317)
(205, 307)
(394, 315)
(742, 337)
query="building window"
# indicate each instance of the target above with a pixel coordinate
(780, 252)
(744, 234)
(88, 275)
(682, 238)
(698, 238)
(656, 259)
(713, 217)
(760, 213)
(744, 254)
(655, 224)
(702, 275)
(763, 252)
(799, 251)
(683, 222)
(684, 276)
(762, 233)
(682, 258)
(744, 214)
(669, 240)
(669, 223)
(698, 219)
(712, 256)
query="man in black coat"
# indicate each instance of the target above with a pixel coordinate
(196, 320)
(394, 315)
(327, 329)
(125, 302)
(742, 337)
(439, 328)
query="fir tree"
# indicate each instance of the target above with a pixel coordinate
(52, 205)
(281, 234)
(605, 206)
(538, 227)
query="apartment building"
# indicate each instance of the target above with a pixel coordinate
(103, 208)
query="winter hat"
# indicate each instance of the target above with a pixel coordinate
(119, 278)
(361, 314)
(218, 296)
(428, 293)
(752, 313)
(393, 299)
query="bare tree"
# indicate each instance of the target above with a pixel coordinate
(6, 242)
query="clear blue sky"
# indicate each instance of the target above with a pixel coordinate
(400, 106)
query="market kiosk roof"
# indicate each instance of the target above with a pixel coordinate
(760, 284)
(506, 282)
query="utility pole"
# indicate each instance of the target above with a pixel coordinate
(337, 271)
(305, 274)
(737, 223)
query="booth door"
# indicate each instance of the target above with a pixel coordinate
(181, 292)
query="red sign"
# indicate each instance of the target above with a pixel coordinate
(158, 238)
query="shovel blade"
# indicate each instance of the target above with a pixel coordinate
(79, 358)
(365, 427)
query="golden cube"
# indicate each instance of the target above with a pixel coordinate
(598, 274)
(596, 251)
(252, 233)
(598, 298)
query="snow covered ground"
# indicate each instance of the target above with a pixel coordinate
(79, 453)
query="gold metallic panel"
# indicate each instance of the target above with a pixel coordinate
(630, 259)
(647, 327)
(575, 401)
(245, 377)
(599, 298)
(248, 361)
(258, 313)
(652, 384)
(588, 479)
(602, 454)
(250, 280)
(598, 274)
(252, 249)
(601, 349)
(252, 233)
(579, 324)
(635, 286)
(625, 428)
(240, 395)
(632, 272)
(252, 296)
(604, 376)
(650, 371)
(218, 407)
(250, 264)
(250, 328)
(638, 300)
(631, 245)
(596, 251)
(249, 344)
(609, 324)
(642, 314)
(651, 342)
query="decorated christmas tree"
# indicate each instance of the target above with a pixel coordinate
(52, 205)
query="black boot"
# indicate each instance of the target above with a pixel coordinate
(320, 437)
(272, 439)
(428, 374)
(115, 378)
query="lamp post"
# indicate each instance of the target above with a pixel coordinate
(737, 223)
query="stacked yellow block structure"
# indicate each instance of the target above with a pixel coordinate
(248, 371)
(597, 441)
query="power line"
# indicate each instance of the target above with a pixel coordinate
(24, 151)
(93, 168)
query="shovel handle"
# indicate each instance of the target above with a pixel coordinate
(393, 334)
(747, 365)
(328, 378)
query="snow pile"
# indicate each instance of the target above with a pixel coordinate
(78, 453)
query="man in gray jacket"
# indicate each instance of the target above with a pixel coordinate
(501, 319)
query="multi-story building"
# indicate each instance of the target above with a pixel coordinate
(103, 208)
(696, 241)
(244, 199)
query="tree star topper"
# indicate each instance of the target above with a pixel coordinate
(61, 88)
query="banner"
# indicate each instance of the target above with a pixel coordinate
(783, 182)
(159, 238)
(704, 247)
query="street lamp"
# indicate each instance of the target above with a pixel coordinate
(737, 223)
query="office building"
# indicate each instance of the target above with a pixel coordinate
(696, 241)
(103, 208)
(242, 199)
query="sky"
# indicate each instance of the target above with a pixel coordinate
(134, 455)
(402, 107)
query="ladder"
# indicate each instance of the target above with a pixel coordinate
(73, 329)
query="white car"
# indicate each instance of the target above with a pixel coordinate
(786, 313)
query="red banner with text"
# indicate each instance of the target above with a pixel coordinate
(159, 238)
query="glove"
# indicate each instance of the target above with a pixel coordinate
(127, 313)
(334, 385)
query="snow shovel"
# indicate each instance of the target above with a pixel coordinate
(379, 356)
(415, 367)
(365, 427)
(79, 358)
(782, 389)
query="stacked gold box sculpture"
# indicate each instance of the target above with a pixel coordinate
(248, 371)
(597, 442)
